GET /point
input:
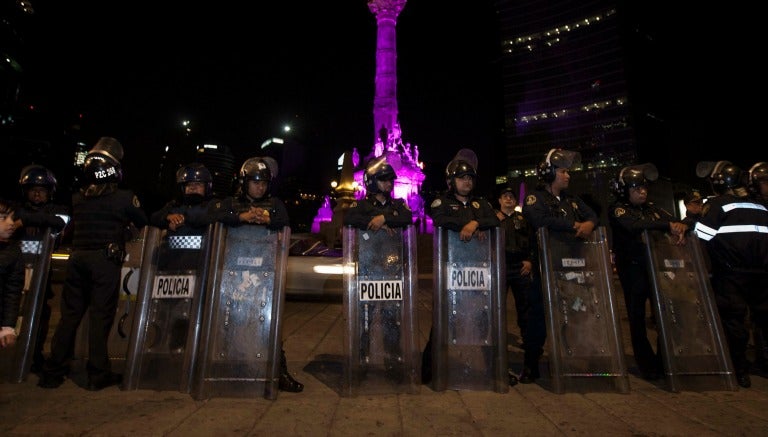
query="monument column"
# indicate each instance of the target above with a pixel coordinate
(385, 99)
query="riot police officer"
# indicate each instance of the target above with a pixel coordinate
(460, 210)
(551, 206)
(519, 259)
(100, 214)
(185, 216)
(378, 211)
(630, 215)
(38, 213)
(253, 204)
(734, 228)
(757, 183)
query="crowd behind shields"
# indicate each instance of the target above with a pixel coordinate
(732, 225)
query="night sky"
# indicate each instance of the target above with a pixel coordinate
(239, 75)
(135, 69)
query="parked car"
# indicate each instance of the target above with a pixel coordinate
(314, 269)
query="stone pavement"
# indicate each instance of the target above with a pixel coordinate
(313, 341)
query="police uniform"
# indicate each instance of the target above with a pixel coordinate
(543, 209)
(397, 215)
(100, 215)
(735, 231)
(628, 222)
(450, 213)
(228, 212)
(517, 248)
(196, 220)
(396, 212)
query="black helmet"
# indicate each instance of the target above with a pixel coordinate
(556, 158)
(37, 175)
(635, 176)
(729, 176)
(194, 172)
(378, 169)
(101, 169)
(456, 169)
(257, 169)
(723, 175)
(757, 173)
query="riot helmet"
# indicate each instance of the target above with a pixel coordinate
(257, 169)
(101, 169)
(194, 172)
(634, 176)
(722, 175)
(757, 173)
(556, 158)
(378, 169)
(456, 169)
(37, 175)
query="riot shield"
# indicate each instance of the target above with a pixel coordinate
(15, 362)
(582, 320)
(382, 353)
(240, 341)
(119, 335)
(469, 341)
(695, 351)
(166, 328)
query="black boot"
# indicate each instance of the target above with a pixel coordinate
(530, 369)
(286, 382)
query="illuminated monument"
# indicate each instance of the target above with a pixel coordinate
(403, 157)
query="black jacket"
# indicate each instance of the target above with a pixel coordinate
(628, 222)
(396, 213)
(450, 213)
(228, 210)
(11, 282)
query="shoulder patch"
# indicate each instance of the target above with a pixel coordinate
(618, 212)
(705, 209)
(436, 203)
(136, 202)
(530, 199)
(475, 204)
(574, 206)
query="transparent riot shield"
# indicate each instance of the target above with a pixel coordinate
(240, 341)
(582, 320)
(15, 362)
(469, 333)
(695, 351)
(166, 328)
(382, 353)
(119, 335)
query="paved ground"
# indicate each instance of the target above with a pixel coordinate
(313, 333)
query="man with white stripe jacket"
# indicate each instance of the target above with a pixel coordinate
(735, 230)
